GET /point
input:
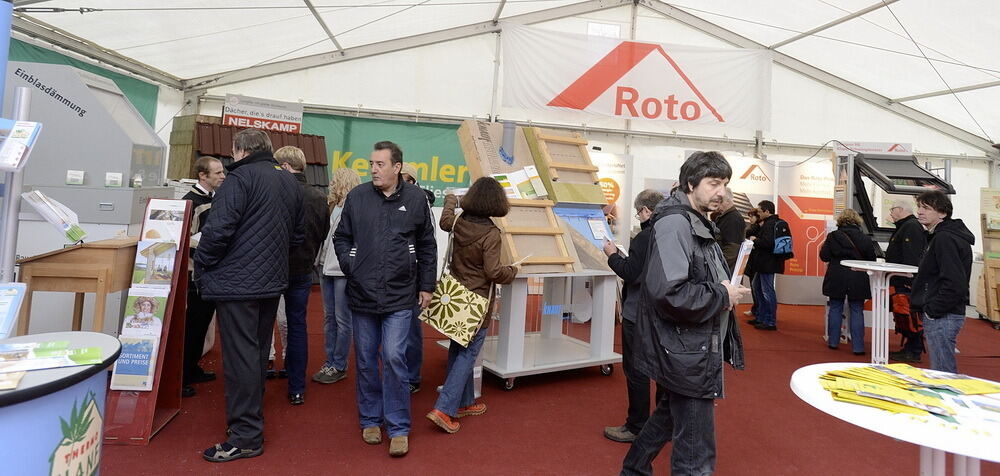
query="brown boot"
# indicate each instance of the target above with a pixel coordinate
(372, 435)
(399, 446)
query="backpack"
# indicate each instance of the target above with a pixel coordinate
(783, 241)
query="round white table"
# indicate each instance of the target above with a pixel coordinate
(879, 276)
(969, 441)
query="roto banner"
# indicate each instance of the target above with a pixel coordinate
(243, 111)
(549, 70)
(805, 201)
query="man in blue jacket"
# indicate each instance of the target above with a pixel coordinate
(242, 264)
(386, 249)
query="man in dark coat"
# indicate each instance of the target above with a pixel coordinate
(906, 246)
(732, 227)
(301, 259)
(242, 264)
(941, 288)
(385, 245)
(415, 340)
(210, 175)
(686, 322)
(765, 265)
(629, 268)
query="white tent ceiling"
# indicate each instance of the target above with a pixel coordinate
(898, 49)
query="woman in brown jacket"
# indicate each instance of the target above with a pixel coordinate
(475, 263)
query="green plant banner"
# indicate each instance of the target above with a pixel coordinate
(432, 148)
(141, 94)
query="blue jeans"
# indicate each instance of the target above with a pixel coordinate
(941, 334)
(689, 423)
(336, 322)
(297, 353)
(386, 399)
(414, 348)
(459, 389)
(767, 308)
(835, 316)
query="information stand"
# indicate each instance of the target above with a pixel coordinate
(133, 417)
(879, 274)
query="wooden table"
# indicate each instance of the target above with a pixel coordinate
(100, 267)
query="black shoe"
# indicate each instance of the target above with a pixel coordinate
(296, 398)
(203, 377)
(282, 373)
(859, 352)
(904, 356)
(831, 347)
(753, 322)
(765, 327)
(188, 391)
(226, 452)
(414, 388)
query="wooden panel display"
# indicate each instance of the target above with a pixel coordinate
(991, 275)
(530, 228)
(564, 166)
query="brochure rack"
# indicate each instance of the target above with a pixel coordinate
(133, 417)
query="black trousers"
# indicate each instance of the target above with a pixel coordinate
(199, 316)
(690, 423)
(637, 383)
(246, 328)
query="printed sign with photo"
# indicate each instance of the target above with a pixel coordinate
(135, 367)
(144, 311)
(154, 263)
(164, 221)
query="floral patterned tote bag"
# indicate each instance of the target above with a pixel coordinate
(455, 311)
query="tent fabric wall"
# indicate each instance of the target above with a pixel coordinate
(141, 94)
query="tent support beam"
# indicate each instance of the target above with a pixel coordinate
(400, 44)
(820, 75)
(496, 16)
(37, 29)
(833, 23)
(943, 92)
(319, 18)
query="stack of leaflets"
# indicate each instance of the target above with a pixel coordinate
(46, 355)
(901, 388)
(524, 183)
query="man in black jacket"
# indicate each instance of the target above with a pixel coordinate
(415, 340)
(941, 288)
(685, 325)
(386, 248)
(242, 264)
(732, 227)
(316, 224)
(766, 264)
(210, 175)
(906, 246)
(629, 268)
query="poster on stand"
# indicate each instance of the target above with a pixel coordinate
(164, 221)
(154, 264)
(135, 367)
(611, 175)
(144, 311)
(805, 201)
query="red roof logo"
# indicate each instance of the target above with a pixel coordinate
(897, 148)
(760, 176)
(615, 65)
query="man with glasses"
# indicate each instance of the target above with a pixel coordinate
(629, 268)
(731, 229)
(906, 246)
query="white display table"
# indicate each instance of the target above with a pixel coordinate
(969, 441)
(879, 276)
(514, 353)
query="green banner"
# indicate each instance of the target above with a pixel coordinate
(432, 148)
(141, 94)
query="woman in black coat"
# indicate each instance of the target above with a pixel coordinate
(846, 243)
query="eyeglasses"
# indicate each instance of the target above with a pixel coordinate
(638, 213)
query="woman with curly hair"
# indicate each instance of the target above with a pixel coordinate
(336, 315)
(144, 317)
(848, 242)
(475, 262)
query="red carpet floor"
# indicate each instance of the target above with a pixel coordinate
(551, 424)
